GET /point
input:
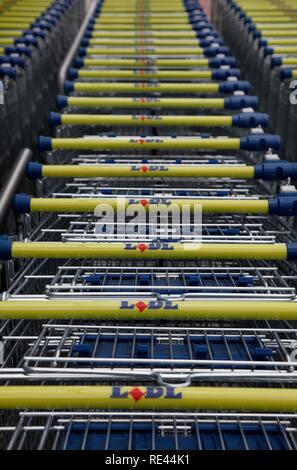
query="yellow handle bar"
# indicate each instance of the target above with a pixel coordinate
(227, 206)
(282, 41)
(144, 120)
(139, 42)
(100, 33)
(135, 397)
(146, 143)
(141, 51)
(154, 250)
(146, 87)
(145, 74)
(150, 103)
(148, 171)
(148, 309)
(146, 62)
(285, 49)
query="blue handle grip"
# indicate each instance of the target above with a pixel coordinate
(8, 72)
(275, 170)
(5, 248)
(34, 171)
(222, 74)
(239, 102)
(18, 50)
(285, 73)
(231, 87)
(248, 120)
(68, 87)
(283, 205)
(292, 251)
(61, 101)
(208, 42)
(44, 143)
(260, 142)
(55, 119)
(276, 61)
(21, 204)
(213, 51)
(217, 62)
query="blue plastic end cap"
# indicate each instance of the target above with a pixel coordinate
(222, 74)
(79, 63)
(73, 74)
(276, 61)
(68, 87)
(34, 170)
(292, 251)
(55, 119)
(22, 204)
(285, 74)
(239, 102)
(85, 42)
(8, 72)
(275, 170)
(62, 101)
(82, 51)
(256, 34)
(268, 50)
(217, 62)
(231, 87)
(88, 34)
(263, 42)
(251, 28)
(44, 143)
(261, 142)
(285, 206)
(249, 120)
(5, 248)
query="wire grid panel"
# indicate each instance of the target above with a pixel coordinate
(169, 355)
(155, 279)
(135, 431)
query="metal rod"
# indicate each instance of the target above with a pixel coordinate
(14, 180)
(73, 50)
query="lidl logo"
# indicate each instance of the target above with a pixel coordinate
(141, 305)
(146, 168)
(153, 200)
(138, 394)
(143, 247)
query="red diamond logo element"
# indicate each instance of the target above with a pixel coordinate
(142, 118)
(144, 202)
(142, 247)
(144, 168)
(141, 306)
(136, 394)
(141, 141)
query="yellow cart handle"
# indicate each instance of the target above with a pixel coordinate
(140, 250)
(228, 206)
(143, 51)
(143, 74)
(140, 143)
(141, 171)
(148, 309)
(145, 62)
(147, 102)
(140, 120)
(135, 397)
(142, 87)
